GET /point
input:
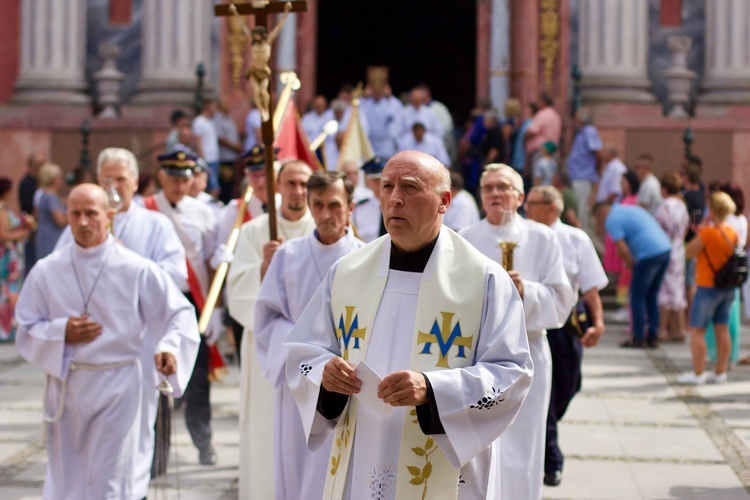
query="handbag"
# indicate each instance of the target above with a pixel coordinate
(734, 272)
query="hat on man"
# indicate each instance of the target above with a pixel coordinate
(179, 163)
(374, 167)
(255, 158)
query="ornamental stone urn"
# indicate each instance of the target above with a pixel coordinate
(679, 78)
(108, 81)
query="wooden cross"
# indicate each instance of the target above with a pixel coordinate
(261, 10)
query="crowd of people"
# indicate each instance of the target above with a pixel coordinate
(355, 326)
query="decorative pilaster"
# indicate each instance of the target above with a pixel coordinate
(53, 38)
(727, 74)
(613, 50)
(176, 36)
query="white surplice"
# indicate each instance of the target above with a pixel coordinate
(150, 235)
(99, 386)
(547, 301)
(256, 394)
(471, 420)
(296, 271)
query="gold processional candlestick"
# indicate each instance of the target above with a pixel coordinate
(507, 247)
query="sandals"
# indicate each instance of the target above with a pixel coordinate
(744, 361)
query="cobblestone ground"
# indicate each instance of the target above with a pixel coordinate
(630, 434)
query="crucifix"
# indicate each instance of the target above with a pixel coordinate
(260, 76)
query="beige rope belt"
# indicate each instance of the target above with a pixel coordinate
(76, 367)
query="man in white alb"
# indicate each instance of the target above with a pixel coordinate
(150, 235)
(427, 312)
(84, 313)
(540, 278)
(251, 260)
(297, 269)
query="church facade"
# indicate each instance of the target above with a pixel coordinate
(648, 69)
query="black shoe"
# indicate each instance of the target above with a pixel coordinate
(207, 456)
(553, 478)
(652, 343)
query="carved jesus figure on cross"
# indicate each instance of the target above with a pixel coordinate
(259, 73)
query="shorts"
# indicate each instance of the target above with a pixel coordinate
(711, 305)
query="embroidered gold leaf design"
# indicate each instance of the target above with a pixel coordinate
(422, 474)
(342, 439)
(413, 413)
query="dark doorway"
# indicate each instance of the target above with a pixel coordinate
(419, 40)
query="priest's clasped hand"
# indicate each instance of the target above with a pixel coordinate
(404, 388)
(517, 280)
(166, 363)
(81, 330)
(339, 376)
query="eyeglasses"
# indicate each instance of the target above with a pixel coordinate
(502, 187)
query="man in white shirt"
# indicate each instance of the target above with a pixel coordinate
(383, 111)
(418, 139)
(417, 111)
(230, 148)
(319, 115)
(610, 184)
(463, 211)
(367, 216)
(649, 193)
(195, 225)
(253, 132)
(539, 276)
(207, 142)
(586, 274)
(297, 269)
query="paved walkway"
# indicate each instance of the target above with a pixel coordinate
(630, 434)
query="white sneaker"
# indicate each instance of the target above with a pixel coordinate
(692, 379)
(621, 315)
(715, 378)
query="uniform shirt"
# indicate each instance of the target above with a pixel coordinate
(649, 194)
(580, 259)
(367, 218)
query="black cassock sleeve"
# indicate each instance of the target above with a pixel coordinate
(427, 414)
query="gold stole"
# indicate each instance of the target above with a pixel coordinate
(446, 331)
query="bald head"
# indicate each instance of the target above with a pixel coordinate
(89, 214)
(414, 195)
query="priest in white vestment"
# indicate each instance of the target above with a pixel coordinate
(548, 298)
(441, 324)
(84, 314)
(251, 260)
(150, 235)
(297, 269)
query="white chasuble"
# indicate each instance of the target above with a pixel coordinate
(547, 300)
(94, 392)
(297, 269)
(256, 394)
(461, 323)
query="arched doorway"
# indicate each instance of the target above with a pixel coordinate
(421, 41)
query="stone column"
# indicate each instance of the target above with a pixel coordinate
(53, 45)
(176, 36)
(500, 53)
(285, 48)
(727, 74)
(613, 50)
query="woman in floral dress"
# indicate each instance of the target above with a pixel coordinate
(673, 217)
(13, 234)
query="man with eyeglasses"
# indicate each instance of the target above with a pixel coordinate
(544, 205)
(540, 278)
